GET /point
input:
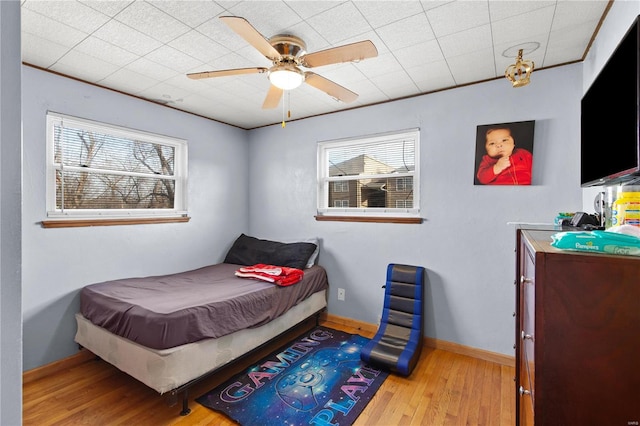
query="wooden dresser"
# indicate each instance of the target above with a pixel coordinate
(577, 334)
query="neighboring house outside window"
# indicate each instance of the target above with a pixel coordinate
(98, 171)
(372, 174)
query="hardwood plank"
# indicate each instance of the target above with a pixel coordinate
(445, 388)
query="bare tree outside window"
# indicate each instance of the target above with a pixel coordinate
(97, 170)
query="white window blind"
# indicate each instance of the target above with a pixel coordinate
(98, 170)
(374, 175)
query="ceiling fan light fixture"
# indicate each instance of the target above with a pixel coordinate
(286, 77)
(519, 74)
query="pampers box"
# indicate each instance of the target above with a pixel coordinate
(598, 241)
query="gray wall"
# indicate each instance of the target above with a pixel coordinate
(464, 242)
(10, 210)
(57, 262)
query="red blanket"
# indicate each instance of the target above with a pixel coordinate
(279, 275)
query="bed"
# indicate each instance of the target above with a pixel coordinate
(171, 331)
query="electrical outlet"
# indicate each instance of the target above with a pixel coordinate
(341, 294)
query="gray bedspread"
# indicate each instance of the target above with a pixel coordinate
(161, 312)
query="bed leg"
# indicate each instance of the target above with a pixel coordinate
(185, 403)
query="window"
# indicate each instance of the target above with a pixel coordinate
(96, 170)
(374, 176)
(341, 186)
(404, 184)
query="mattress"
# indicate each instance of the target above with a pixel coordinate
(161, 312)
(167, 369)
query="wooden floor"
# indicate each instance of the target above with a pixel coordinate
(444, 389)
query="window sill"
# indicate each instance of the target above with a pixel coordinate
(76, 223)
(409, 220)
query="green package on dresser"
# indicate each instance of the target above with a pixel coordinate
(597, 241)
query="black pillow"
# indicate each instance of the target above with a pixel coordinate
(248, 250)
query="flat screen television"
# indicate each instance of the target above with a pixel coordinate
(610, 144)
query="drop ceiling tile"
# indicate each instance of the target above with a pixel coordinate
(432, 4)
(463, 42)
(152, 69)
(39, 51)
(458, 16)
(406, 32)
(367, 92)
(108, 7)
(381, 47)
(381, 13)
(46, 28)
(419, 55)
(104, 51)
(568, 43)
(343, 74)
(71, 13)
(434, 76)
(128, 81)
(149, 20)
(533, 26)
(268, 17)
(575, 13)
(84, 67)
(166, 94)
(483, 67)
(394, 84)
(382, 64)
(307, 9)
(220, 32)
(173, 59)
(127, 38)
(340, 23)
(193, 13)
(500, 10)
(199, 46)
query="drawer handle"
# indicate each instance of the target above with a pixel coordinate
(525, 280)
(526, 336)
(523, 391)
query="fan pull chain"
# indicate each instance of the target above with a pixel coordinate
(283, 123)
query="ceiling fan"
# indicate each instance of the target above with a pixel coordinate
(288, 54)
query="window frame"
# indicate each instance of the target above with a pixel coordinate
(115, 216)
(369, 214)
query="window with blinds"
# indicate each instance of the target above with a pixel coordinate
(96, 170)
(374, 175)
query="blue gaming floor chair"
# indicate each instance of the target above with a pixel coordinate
(398, 342)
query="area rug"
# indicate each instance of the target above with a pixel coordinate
(318, 378)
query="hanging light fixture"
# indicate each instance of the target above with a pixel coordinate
(519, 74)
(286, 76)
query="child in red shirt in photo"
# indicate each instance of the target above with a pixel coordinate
(504, 165)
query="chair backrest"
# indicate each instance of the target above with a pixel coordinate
(403, 301)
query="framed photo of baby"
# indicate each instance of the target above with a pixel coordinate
(504, 153)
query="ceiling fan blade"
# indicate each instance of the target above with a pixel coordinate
(224, 73)
(251, 35)
(347, 53)
(330, 88)
(273, 97)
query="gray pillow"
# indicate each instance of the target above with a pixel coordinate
(248, 250)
